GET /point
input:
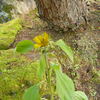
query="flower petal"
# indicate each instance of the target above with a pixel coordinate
(37, 45)
(41, 40)
(46, 36)
(37, 39)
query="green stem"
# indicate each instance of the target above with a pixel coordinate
(49, 72)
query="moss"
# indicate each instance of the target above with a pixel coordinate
(8, 32)
(16, 74)
(96, 76)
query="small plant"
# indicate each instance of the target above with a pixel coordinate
(50, 72)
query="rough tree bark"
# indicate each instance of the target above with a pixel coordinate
(63, 14)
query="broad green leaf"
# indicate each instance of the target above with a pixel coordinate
(42, 66)
(32, 93)
(66, 49)
(79, 95)
(64, 86)
(54, 66)
(24, 46)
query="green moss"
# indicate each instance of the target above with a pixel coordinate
(96, 76)
(16, 74)
(8, 32)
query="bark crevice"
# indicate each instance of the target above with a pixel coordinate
(63, 14)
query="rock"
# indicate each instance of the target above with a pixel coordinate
(5, 12)
(21, 6)
(8, 32)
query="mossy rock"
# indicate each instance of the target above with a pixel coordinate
(8, 32)
(16, 74)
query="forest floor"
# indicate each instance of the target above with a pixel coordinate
(85, 42)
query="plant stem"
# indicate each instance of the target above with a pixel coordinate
(49, 72)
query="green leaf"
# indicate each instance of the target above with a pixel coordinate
(24, 46)
(32, 93)
(66, 49)
(54, 66)
(42, 66)
(64, 86)
(79, 95)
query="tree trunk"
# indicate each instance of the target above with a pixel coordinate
(63, 14)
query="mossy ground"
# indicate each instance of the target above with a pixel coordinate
(8, 32)
(16, 74)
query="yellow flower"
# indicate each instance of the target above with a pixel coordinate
(41, 40)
